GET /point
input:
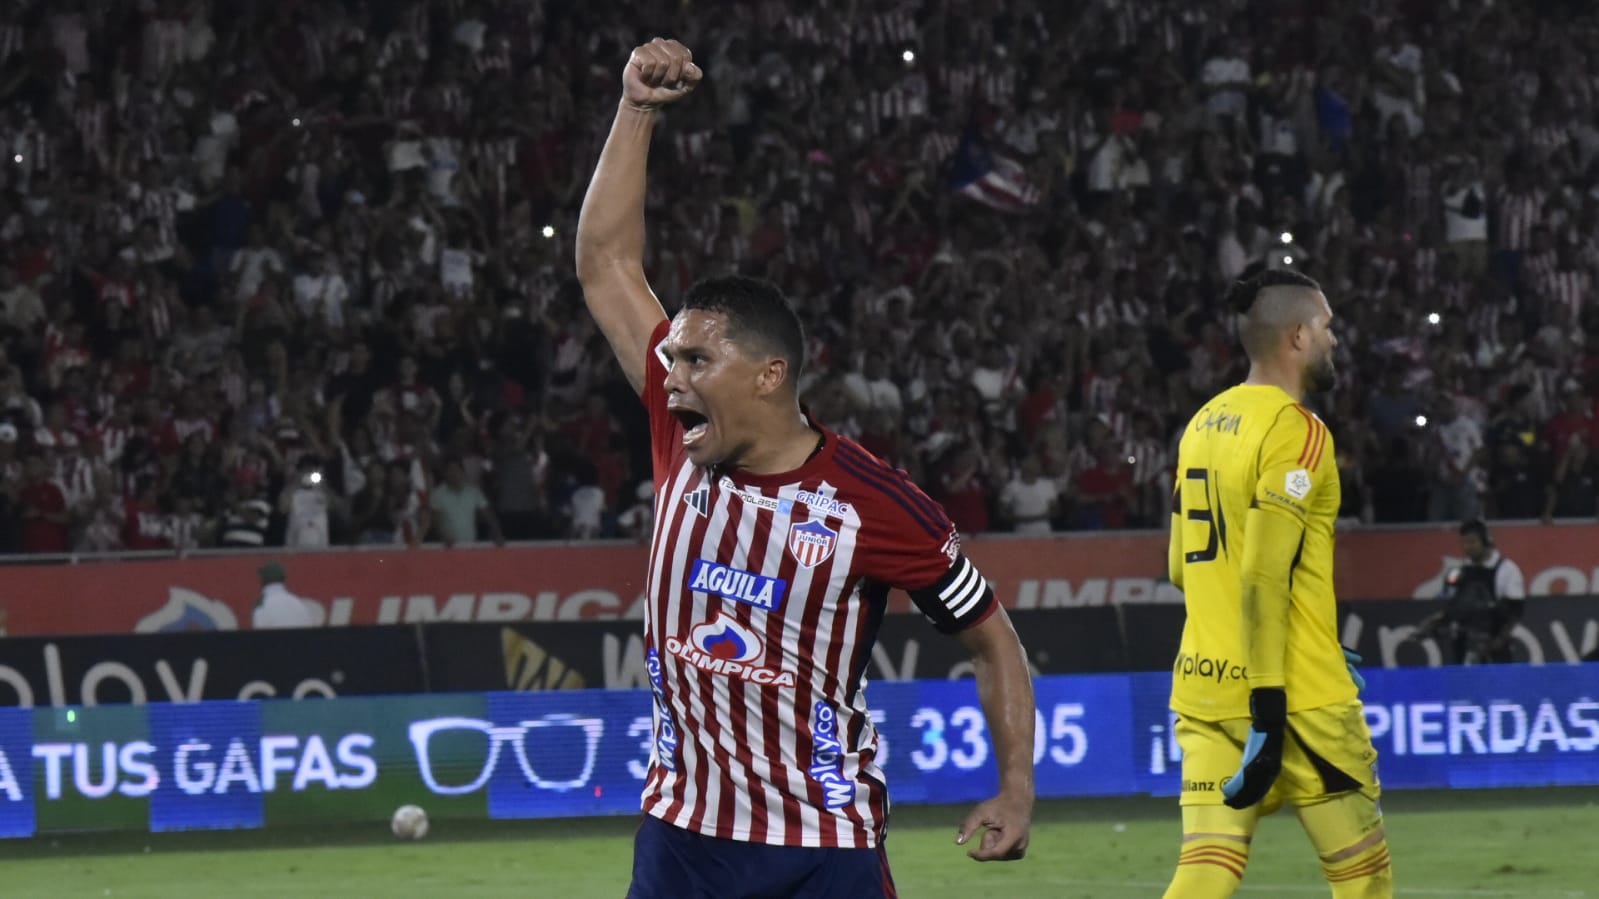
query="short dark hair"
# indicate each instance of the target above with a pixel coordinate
(1242, 295)
(1261, 322)
(1475, 527)
(758, 316)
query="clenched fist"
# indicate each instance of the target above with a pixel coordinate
(659, 72)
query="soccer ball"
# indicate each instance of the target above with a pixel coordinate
(410, 822)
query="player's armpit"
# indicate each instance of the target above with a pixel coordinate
(1271, 549)
(959, 599)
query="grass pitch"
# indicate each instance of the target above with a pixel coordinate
(1526, 844)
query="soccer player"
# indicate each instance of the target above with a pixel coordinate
(1267, 703)
(776, 543)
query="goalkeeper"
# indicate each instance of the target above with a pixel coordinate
(1268, 705)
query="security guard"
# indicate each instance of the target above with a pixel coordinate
(277, 607)
(1484, 600)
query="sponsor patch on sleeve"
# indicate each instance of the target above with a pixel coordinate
(1297, 483)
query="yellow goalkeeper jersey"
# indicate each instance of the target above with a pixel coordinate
(1252, 446)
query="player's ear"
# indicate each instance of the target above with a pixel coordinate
(772, 376)
(1300, 336)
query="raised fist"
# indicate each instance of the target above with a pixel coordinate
(659, 72)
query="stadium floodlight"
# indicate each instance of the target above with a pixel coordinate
(1287, 237)
(1434, 318)
(1421, 421)
(909, 56)
(548, 231)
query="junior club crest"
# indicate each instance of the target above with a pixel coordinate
(811, 542)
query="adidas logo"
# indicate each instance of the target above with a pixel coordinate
(699, 500)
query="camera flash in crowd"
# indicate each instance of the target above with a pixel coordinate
(1288, 260)
(295, 121)
(17, 159)
(909, 56)
(316, 477)
(548, 231)
(1287, 237)
(1434, 318)
(1421, 421)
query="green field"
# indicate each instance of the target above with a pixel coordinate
(1527, 844)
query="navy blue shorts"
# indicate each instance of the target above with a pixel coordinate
(672, 863)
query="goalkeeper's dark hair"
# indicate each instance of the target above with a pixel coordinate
(1267, 302)
(1245, 291)
(759, 317)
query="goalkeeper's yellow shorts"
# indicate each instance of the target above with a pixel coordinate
(1326, 751)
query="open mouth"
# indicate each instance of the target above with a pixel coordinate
(695, 424)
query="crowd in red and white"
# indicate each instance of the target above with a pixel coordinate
(300, 273)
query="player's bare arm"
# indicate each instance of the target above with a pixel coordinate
(1005, 688)
(610, 229)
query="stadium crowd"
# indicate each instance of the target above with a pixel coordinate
(301, 273)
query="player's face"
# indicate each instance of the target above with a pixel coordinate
(1473, 547)
(711, 387)
(1320, 374)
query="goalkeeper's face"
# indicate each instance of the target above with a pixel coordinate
(1321, 375)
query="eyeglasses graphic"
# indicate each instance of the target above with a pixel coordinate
(428, 735)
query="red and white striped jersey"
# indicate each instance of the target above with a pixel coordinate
(1569, 287)
(1423, 271)
(92, 122)
(1518, 213)
(890, 27)
(765, 596)
(1536, 268)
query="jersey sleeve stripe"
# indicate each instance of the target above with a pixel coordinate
(1315, 439)
(877, 480)
(965, 591)
(1311, 431)
(973, 597)
(899, 482)
(1321, 447)
(958, 587)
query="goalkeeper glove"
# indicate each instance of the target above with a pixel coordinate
(1263, 751)
(1350, 659)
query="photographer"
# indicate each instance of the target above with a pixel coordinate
(1484, 599)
